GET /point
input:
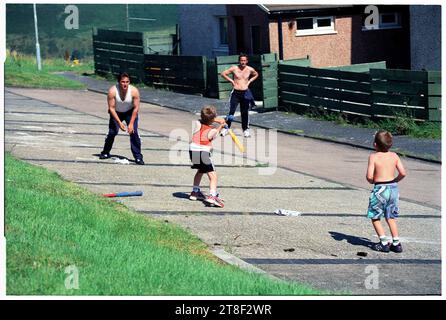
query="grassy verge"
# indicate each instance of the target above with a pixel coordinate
(401, 124)
(21, 71)
(405, 125)
(52, 224)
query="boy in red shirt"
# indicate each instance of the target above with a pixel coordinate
(200, 152)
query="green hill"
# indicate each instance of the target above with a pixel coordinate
(54, 38)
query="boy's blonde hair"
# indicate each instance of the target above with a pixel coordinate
(208, 114)
(383, 140)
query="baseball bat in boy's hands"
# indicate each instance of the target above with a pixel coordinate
(234, 138)
(236, 141)
(123, 194)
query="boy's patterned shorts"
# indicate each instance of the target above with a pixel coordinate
(383, 201)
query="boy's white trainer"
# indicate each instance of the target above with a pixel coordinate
(246, 133)
(224, 132)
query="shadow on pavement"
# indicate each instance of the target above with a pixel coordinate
(181, 195)
(356, 241)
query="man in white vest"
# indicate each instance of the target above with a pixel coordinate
(123, 105)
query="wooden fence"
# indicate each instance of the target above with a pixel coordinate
(379, 93)
(268, 80)
(186, 74)
(116, 51)
(163, 44)
(365, 89)
(417, 93)
(360, 67)
(303, 62)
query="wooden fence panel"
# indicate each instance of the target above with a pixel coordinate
(117, 51)
(269, 70)
(380, 93)
(186, 74)
(164, 44)
(360, 67)
(304, 62)
(402, 91)
(334, 90)
(212, 79)
(434, 96)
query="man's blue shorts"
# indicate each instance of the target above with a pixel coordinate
(383, 201)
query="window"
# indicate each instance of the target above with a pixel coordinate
(323, 23)
(223, 27)
(387, 20)
(304, 24)
(315, 25)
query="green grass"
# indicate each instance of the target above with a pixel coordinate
(405, 125)
(22, 72)
(296, 131)
(401, 124)
(262, 165)
(54, 38)
(52, 224)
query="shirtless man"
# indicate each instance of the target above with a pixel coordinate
(243, 76)
(123, 105)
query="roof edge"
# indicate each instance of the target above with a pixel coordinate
(264, 8)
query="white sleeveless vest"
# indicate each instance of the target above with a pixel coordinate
(126, 104)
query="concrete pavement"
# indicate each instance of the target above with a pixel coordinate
(64, 131)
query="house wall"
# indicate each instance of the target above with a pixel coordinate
(200, 31)
(390, 45)
(324, 50)
(425, 39)
(252, 16)
(350, 45)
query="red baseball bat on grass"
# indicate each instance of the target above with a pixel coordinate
(123, 194)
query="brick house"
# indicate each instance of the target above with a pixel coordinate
(330, 35)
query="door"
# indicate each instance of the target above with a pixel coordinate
(239, 34)
(256, 42)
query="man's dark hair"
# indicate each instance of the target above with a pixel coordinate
(123, 75)
(383, 140)
(242, 55)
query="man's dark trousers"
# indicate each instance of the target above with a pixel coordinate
(113, 129)
(239, 97)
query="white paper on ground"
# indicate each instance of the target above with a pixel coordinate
(121, 161)
(283, 212)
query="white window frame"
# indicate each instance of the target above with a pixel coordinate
(317, 30)
(383, 26)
